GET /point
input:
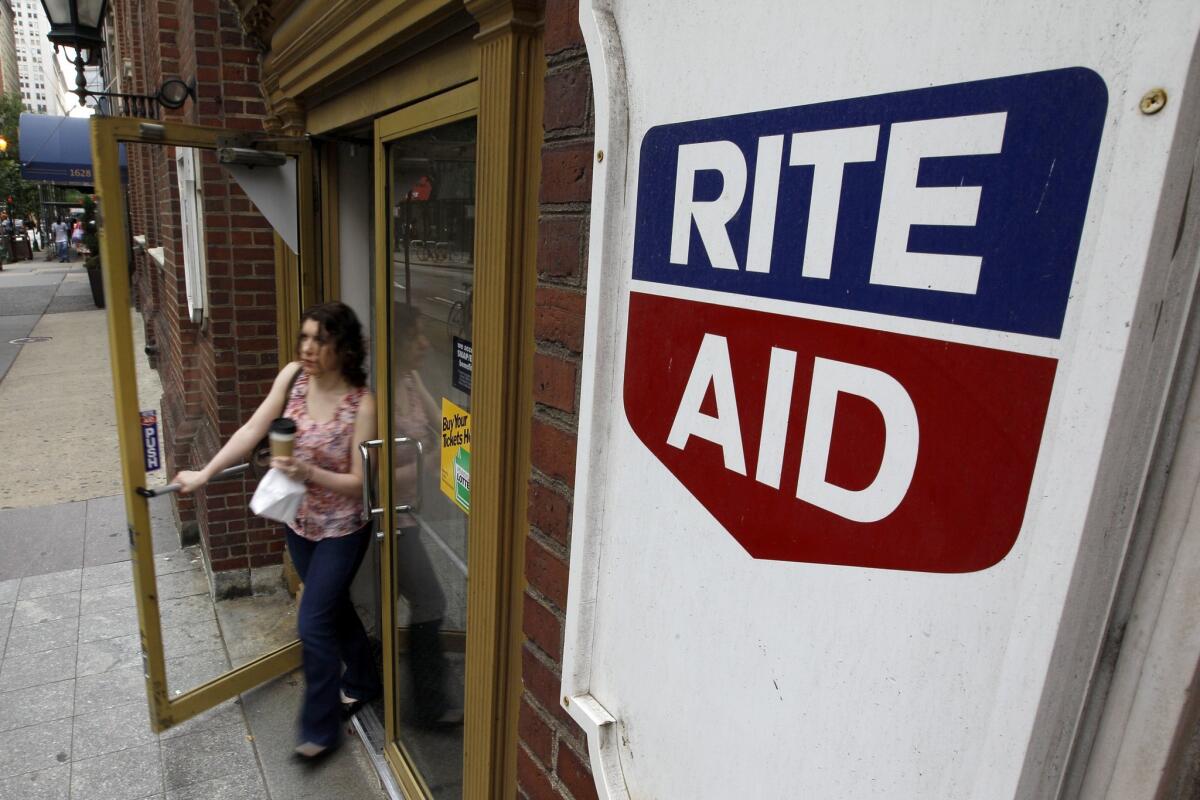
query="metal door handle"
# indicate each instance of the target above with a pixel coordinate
(369, 508)
(228, 472)
(364, 450)
(415, 507)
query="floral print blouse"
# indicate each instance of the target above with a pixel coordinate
(324, 513)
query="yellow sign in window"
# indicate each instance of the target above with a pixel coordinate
(456, 454)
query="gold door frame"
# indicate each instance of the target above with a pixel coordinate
(507, 101)
(108, 133)
(451, 106)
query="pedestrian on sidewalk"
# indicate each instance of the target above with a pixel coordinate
(325, 394)
(76, 237)
(61, 233)
(6, 253)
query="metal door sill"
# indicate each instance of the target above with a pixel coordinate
(386, 779)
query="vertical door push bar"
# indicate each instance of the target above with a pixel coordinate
(369, 508)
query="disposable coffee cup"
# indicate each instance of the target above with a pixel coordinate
(282, 435)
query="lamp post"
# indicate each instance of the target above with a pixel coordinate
(76, 24)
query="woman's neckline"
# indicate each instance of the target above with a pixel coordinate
(341, 400)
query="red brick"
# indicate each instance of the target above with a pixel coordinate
(240, 56)
(535, 732)
(575, 773)
(242, 90)
(543, 628)
(560, 246)
(558, 317)
(533, 779)
(566, 104)
(549, 512)
(554, 382)
(553, 451)
(567, 173)
(546, 572)
(562, 26)
(543, 685)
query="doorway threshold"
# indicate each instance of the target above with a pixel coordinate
(369, 728)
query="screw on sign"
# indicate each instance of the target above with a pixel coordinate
(844, 320)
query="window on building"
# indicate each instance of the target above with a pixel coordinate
(191, 211)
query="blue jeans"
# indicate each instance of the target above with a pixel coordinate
(331, 632)
(62, 250)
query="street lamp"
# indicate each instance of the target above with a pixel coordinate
(76, 24)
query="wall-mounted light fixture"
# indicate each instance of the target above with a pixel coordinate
(76, 24)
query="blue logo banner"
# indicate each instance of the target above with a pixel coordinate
(962, 204)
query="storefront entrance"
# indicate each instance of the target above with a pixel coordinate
(424, 296)
(417, 191)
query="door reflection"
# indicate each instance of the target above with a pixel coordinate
(432, 191)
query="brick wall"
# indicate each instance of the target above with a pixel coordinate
(552, 761)
(214, 375)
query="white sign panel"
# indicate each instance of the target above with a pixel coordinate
(882, 311)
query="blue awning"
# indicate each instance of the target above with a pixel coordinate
(58, 150)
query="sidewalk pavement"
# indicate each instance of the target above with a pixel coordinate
(57, 425)
(74, 721)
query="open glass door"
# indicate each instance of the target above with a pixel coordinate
(425, 274)
(190, 664)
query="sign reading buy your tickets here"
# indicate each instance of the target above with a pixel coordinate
(456, 454)
(862, 301)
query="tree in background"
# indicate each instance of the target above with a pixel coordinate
(23, 193)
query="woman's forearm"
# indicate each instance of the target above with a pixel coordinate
(344, 483)
(235, 451)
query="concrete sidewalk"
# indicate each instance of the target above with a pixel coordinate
(74, 723)
(57, 424)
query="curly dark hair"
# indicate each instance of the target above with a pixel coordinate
(339, 322)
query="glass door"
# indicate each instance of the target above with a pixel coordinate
(425, 174)
(190, 665)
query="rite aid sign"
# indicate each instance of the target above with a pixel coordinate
(885, 303)
(882, 443)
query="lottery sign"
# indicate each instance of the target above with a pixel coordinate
(844, 318)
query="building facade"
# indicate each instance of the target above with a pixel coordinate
(439, 137)
(41, 86)
(10, 79)
(215, 363)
